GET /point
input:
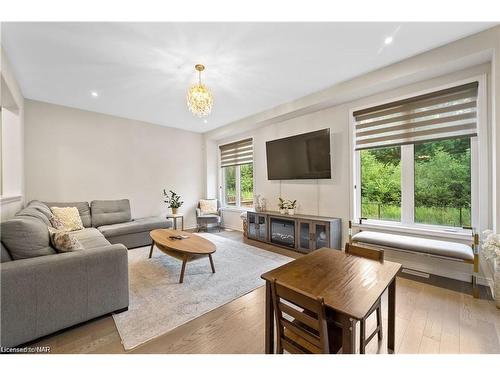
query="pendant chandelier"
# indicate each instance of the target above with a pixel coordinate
(199, 97)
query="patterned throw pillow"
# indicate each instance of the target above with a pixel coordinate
(64, 241)
(56, 223)
(208, 206)
(69, 217)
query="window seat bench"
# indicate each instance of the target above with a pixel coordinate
(448, 250)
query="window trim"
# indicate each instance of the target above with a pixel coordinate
(221, 179)
(480, 210)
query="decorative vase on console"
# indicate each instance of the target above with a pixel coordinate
(282, 206)
(291, 205)
(491, 251)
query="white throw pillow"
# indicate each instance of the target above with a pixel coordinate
(69, 216)
(208, 206)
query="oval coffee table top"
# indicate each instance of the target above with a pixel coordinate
(193, 245)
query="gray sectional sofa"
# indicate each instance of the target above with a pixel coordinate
(43, 291)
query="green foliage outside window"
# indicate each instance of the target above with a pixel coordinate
(442, 184)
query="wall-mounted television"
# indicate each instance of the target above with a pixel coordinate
(303, 156)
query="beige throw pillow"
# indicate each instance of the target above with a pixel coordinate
(69, 217)
(208, 206)
(64, 241)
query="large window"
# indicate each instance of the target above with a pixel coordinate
(414, 158)
(237, 174)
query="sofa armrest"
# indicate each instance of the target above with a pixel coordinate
(45, 294)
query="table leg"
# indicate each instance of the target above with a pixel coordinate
(391, 324)
(184, 262)
(175, 223)
(211, 262)
(348, 335)
(182, 222)
(269, 320)
(151, 250)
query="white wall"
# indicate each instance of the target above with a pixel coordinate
(12, 143)
(78, 155)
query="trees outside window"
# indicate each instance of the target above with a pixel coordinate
(238, 185)
(441, 183)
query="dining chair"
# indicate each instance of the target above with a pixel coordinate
(377, 255)
(300, 320)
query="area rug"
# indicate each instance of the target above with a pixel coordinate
(158, 303)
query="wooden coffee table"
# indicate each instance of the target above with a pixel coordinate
(185, 250)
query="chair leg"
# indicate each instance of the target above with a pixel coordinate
(379, 323)
(362, 338)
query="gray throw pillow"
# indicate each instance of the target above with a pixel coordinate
(26, 237)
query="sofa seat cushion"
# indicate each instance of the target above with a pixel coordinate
(90, 238)
(26, 237)
(417, 244)
(210, 217)
(135, 226)
(83, 210)
(110, 212)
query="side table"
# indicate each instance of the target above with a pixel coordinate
(174, 218)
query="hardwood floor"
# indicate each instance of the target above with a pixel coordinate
(429, 319)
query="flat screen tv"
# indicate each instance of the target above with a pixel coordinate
(303, 156)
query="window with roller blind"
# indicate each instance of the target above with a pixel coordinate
(414, 158)
(236, 161)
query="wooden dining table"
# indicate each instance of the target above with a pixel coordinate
(350, 285)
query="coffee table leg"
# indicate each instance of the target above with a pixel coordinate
(184, 262)
(151, 250)
(211, 262)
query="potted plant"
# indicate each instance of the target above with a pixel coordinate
(491, 250)
(282, 205)
(173, 200)
(291, 205)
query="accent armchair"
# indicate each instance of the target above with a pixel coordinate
(204, 219)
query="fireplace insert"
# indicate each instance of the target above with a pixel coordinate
(282, 232)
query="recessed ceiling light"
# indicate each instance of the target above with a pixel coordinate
(94, 94)
(388, 40)
(205, 121)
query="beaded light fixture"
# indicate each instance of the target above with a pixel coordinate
(199, 97)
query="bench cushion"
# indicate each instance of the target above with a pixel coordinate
(416, 244)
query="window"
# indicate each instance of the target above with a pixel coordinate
(443, 182)
(381, 184)
(414, 158)
(237, 174)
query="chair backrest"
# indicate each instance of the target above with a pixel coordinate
(365, 252)
(218, 203)
(300, 321)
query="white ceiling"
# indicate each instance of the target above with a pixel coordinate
(142, 70)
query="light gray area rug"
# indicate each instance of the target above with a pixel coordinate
(158, 303)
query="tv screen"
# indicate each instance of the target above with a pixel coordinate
(303, 156)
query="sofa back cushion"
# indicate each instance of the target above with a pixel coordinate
(83, 210)
(37, 210)
(26, 237)
(4, 255)
(110, 212)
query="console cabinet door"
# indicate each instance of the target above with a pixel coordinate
(321, 234)
(252, 225)
(261, 227)
(304, 236)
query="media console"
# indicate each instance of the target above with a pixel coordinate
(303, 233)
